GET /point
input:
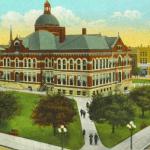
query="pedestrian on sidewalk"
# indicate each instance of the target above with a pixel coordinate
(95, 138)
(84, 113)
(87, 105)
(83, 132)
(81, 112)
(91, 138)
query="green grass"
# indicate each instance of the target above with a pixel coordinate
(140, 81)
(121, 133)
(24, 124)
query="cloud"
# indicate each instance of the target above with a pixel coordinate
(129, 14)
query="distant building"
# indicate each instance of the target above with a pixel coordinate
(80, 65)
(142, 55)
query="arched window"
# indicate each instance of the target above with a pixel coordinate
(96, 63)
(101, 64)
(34, 63)
(71, 64)
(119, 61)
(64, 64)
(8, 62)
(64, 79)
(4, 62)
(84, 80)
(25, 63)
(78, 65)
(29, 63)
(71, 80)
(104, 63)
(84, 65)
(93, 64)
(46, 63)
(59, 79)
(59, 64)
(16, 62)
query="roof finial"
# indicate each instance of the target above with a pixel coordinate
(118, 34)
(11, 35)
(47, 7)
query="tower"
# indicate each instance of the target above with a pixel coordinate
(11, 36)
(47, 7)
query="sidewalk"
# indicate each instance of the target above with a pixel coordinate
(19, 143)
(88, 125)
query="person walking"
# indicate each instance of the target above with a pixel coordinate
(87, 105)
(83, 132)
(95, 139)
(84, 113)
(81, 112)
(91, 138)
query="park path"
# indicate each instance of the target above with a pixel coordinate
(88, 125)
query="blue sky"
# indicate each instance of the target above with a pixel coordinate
(129, 17)
(84, 8)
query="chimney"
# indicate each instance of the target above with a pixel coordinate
(83, 31)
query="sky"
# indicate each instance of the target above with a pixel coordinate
(131, 18)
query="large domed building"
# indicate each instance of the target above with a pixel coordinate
(80, 65)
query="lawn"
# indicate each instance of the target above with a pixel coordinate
(121, 133)
(140, 81)
(24, 124)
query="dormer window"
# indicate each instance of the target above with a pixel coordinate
(17, 45)
(119, 46)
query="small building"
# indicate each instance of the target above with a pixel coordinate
(81, 65)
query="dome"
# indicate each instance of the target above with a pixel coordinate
(47, 19)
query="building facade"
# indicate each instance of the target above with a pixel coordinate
(142, 55)
(80, 65)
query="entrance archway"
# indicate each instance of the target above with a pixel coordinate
(17, 77)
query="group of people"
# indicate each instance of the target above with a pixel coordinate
(83, 113)
(93, 139)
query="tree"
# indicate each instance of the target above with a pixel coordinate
(8, 106)
(136, 71)
(141, 96)
(116, 109)
(119, 112)
(54, 110)
(97, 108)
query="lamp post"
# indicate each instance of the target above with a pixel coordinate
(131, 126)
(62, 130)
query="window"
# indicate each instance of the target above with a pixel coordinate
(29, 63)
(79, 81)
(70, 92)
(93, 64)
(103, 63)
(4, 62)
(78, 64)
(96, 63)
(34, 63)
(78, 92)
(64, 91)
(8, 62)
(84, 65)
(25, 62)
(84, 93)
(64, 79)
(59, 64)
(59, 91)
(106, 63)
(71, 64)
(17, 62)
(84, 80)
(58, 79)
(46, 63)
(71, 80)
(64, 64)
(119, 61)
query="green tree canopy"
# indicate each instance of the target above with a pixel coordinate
(141, 96)
(136, 71)
(54, 110)
(116, 109)
(8, 106)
